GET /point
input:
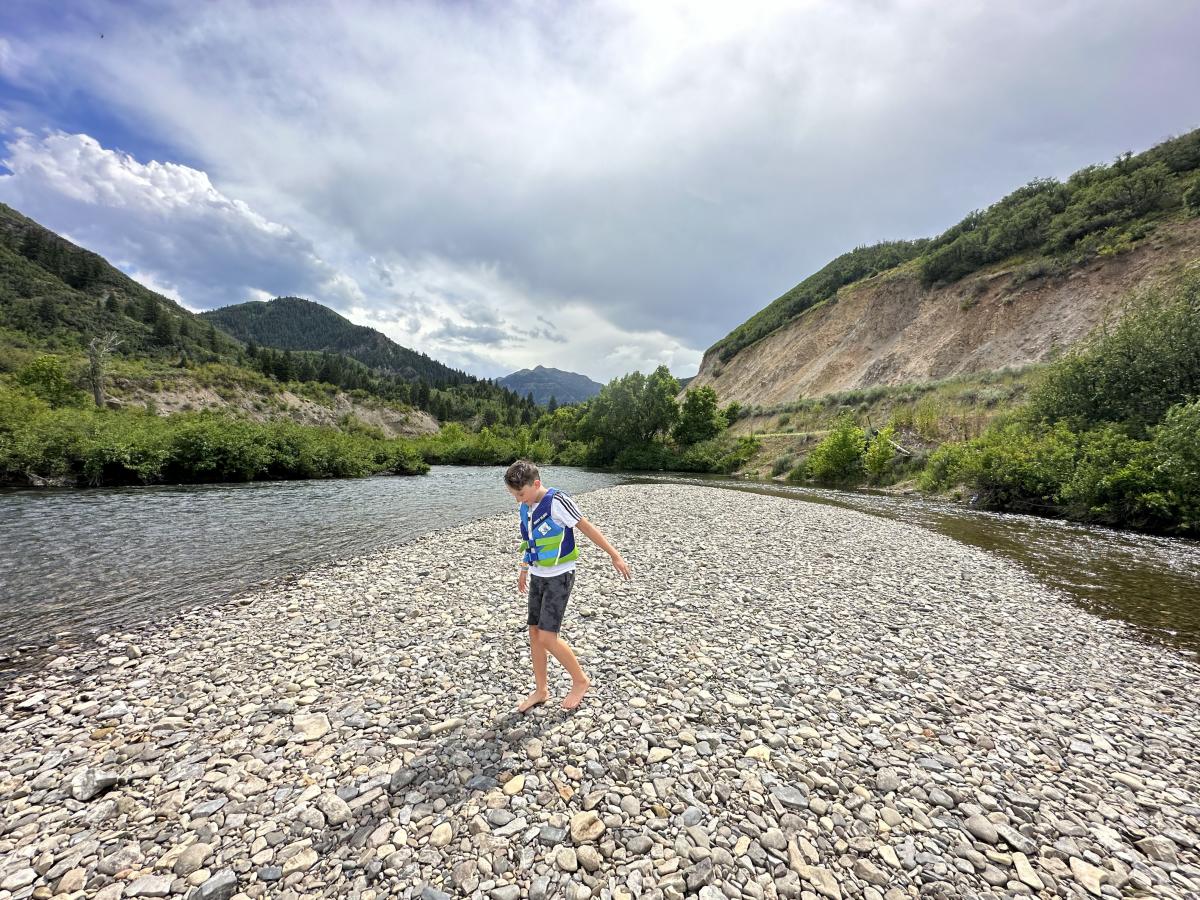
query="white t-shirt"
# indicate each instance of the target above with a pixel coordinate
(564, 512)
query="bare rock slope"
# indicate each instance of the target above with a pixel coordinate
(187, 396)
(890, 329)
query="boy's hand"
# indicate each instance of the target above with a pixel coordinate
(523, 581)
(620, 565)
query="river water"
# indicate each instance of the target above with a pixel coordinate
(77, 563)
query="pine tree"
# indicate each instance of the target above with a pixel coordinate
(148, 309)
(165, 332)
(47, 311)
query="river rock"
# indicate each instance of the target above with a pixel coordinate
(586, 826)
(221, 886)
(191, 858)
(90, 783)
(311, 727)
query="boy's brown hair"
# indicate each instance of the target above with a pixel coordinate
(521, 474)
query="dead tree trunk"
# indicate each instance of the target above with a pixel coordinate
(98, 350)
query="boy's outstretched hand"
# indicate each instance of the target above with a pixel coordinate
(620, 565)
(523, 581)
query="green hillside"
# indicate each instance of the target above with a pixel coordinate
(57, 296)
(292, 323)
(1101, 209)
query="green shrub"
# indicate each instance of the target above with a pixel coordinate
(1177, 456)
(878, 457)
(1191, 197)
(123, 449)
(653, 457)
(1133, 373)
(46, 377)
(101, 446)
(719, 456)
(838, 459)
(572, 453)
(1020, 467)
(1114, 481)
(215, 447)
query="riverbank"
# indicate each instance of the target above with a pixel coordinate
(790, 699)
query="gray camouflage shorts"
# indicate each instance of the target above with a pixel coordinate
(548, 600)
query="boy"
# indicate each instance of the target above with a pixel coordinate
(548, 521)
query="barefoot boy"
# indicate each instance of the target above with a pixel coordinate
(548, 522)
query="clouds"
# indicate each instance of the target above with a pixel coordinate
(667, 167)
(164, 222)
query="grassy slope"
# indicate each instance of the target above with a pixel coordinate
(926, 415)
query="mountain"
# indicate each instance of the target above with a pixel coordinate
(292, 323)
(544, 383)
(56, 295)
(1008, 286)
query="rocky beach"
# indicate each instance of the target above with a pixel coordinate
(789, 700)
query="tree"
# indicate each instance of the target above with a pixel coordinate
(630, 412)
(148, 309)
(659, 410)
(165, 333)
(98, 350)
(552, 405)
(47, 311)
(699, 419)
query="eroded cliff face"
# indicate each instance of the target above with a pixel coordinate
(891, 330)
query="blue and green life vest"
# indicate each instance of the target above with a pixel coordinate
(543, 541)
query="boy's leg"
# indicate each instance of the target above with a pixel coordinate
(580, 683)
(555, 594)
(537, 652)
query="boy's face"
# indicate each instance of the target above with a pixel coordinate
(527, 494)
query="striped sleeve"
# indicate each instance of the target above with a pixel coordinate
(564, 510)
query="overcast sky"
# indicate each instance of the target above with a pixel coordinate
(599, 187)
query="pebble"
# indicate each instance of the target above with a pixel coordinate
(861, 708)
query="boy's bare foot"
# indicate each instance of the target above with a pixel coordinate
(574, 698)
(537, 698)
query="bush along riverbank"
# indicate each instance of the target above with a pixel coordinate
(50, 435)
(1110, 434)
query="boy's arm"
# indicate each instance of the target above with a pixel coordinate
(593, 534)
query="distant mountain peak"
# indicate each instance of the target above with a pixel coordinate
(545, 382)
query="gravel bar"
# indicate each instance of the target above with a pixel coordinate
(789, 700)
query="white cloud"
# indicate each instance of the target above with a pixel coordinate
(476, 318)
(163, 221)
(668, 167)
(151, 281)
(170, 228)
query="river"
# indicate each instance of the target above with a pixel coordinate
(78, 563)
